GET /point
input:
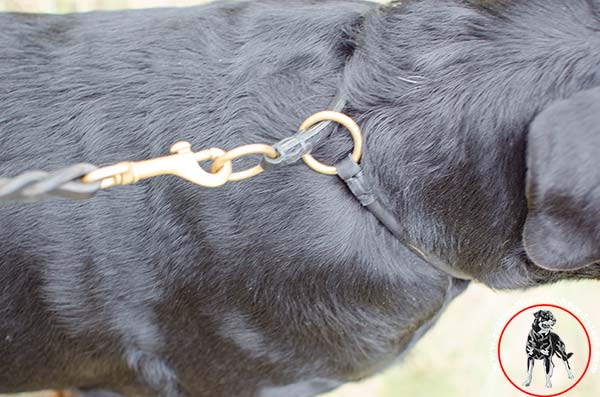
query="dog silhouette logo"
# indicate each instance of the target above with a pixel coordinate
(544, 345)
(544, 350)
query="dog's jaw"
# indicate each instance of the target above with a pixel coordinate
(546, 326)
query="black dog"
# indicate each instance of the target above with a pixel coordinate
(284, 285)
(542, 344)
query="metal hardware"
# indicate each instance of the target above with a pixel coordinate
(84, 180)
(182, 163)
(246, 150)
(342, 119)
(292, 149)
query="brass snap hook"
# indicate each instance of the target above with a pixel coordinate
(182, 163)
(351, 126)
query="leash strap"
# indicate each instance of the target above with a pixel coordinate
(291, 149)
(33, 186)
(358, 183)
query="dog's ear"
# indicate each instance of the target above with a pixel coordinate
(537, 314)
(562, 229)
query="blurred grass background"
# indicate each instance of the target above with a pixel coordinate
(63, 6)
(457, 358)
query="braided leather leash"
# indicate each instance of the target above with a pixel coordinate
(84, 180)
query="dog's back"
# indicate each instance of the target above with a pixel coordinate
(559, 347)
(164, 284)
(282, 286)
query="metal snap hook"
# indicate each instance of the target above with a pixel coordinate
(182, 163)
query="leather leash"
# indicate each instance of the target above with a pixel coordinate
(83, 180)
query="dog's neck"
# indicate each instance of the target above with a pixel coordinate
(544, 331)
(445, 116)
(538, 329)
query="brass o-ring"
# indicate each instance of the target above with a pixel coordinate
(340, 118)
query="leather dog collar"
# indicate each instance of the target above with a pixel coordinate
(360, 187)
(291, 149)
(351, 173)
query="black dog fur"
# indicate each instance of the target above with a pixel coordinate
(282, 285)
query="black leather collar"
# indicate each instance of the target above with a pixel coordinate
(360, 186)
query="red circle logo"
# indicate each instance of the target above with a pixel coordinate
(589, 346)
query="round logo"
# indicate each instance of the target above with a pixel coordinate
(544, 350)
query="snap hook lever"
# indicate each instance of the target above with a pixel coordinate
(183, 163)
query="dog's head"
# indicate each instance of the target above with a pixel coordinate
(500, 157)
(544, 321)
